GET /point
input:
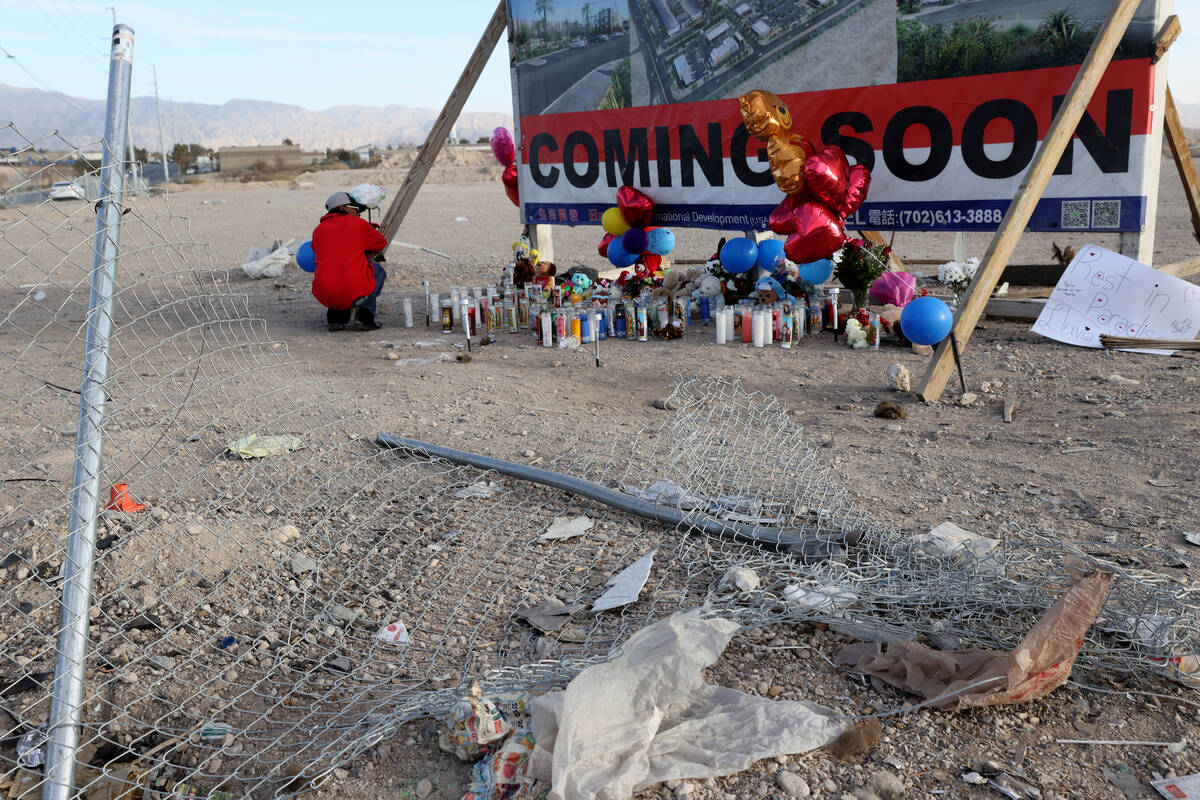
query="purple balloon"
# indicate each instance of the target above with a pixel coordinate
(635, 240)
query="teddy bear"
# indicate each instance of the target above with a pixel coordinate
(530, 270)
(770, 291)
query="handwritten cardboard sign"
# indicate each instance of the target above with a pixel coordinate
(1106, 292)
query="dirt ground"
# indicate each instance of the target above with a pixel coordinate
(1077, 462)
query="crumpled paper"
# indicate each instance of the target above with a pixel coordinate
(1038, 665)
(648, 716)
(256, 446)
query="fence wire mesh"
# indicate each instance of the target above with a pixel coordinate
(233, 643)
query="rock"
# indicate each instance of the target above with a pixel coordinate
(887, 785)
(528, 453)
(338, 664)
(194, 529)
(663, 405)
(898, 378)
(922, 349)
(968, 399)
(392, 355)
(287, 533)
(894, 427)
(424, 788)
(829, 786)
(303, 564)
(1121, 380)
(889, 410)
(792, 784)
(865, 794)
(743, 579)
(342, 613)
(684, 790)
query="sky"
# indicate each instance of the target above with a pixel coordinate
(311, 54)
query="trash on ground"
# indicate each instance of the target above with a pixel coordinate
(394, 632)
(31, 748)
(648, 716)
(889, 410)
(119, 499)
(825, 596)
(1123, 778)
(667, 492)
(416, 362)
(256, 446)
(567, 528)
(1040, 663)
(266, 262)
(626, 585)
(215, 730)
(479, 489)
(472, 725)
(1185, 787)
(550, 616)
(950, 541)
(1192, 538)
(1156, 634)
(856, 741)
(504, 774)
(743, 579)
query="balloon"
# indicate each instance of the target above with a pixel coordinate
(767, 118)
(769, 251)
(856, 190)
(781, 220)
(826, 175)
(819, 233)
(618, 256)
(503, 147)
(895, 288)
(739, 255)
(306, 258)
(635, 240)
(509, 179)
(926, 320)
(662, 241)
(636, 207)
(652, 261)
(603, 248)
(816, 272)
(613, 222)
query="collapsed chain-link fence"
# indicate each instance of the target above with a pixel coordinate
(239, 638)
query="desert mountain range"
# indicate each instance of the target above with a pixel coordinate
(36, 112)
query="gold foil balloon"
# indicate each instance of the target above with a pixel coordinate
(767, 118)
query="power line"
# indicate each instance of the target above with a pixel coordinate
(67, 38)
(84, 32)
(42, 83)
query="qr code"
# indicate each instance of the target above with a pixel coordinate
(1075, 213)
(1106, 213)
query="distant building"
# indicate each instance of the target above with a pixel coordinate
(365, 152)
(761, 27)
(743, 9)
(669, 23)
(723, 51)
(236, 159)
(690, 10)
(683, 70)
(717, 31)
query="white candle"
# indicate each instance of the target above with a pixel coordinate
(759, 330)
(768, 326)
(729, 335)
(720, 325)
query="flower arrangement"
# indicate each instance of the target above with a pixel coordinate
(859, 264)
(632, 283)
(957, 275)
(860, 332)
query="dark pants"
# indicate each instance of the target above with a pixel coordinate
(336, 316)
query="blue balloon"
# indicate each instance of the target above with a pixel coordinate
(635, 240)
(816, 272)
(306, 258)
(619, 256)
(662, 241)
(769, 251)
(926, 320)
(739, 255)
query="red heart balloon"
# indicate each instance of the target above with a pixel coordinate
(819, 233)
(636, 208)
(652, 260)
(826, 176)
(780, 220)
(857, 184)
(603, 248)
(509, 179)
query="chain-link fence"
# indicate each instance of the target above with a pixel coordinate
(239, 626)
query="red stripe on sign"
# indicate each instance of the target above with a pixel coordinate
(992, 109)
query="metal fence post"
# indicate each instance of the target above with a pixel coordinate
(69, 669)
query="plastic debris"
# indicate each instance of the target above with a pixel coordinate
(31, 748)
(950, 541)
(743, 579)
(472, 725)
(567, 528)
(394, 632)
(503, 775)
(119, 499)
(266, 262)
(256, 446)
(825, 596)
(1186, 787)
(480, 489)
(550, 616)
(626, 585)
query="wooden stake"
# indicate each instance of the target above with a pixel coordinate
(1177, 141)
(1166, 37)
(441, 127)
(1033, 184)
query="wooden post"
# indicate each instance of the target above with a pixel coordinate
(541, 238)
(445, 121)
(1177, 141)
(1033, 184)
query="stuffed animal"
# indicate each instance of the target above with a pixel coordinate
(710, 286)
(770, 291)
(530, 270)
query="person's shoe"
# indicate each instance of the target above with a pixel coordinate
(337, 326)
(366, 320)
(337, 318)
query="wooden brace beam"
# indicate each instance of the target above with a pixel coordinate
(1177, 141)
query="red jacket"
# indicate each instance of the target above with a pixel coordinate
(343, 272)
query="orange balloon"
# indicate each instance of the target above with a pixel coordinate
(768, 118)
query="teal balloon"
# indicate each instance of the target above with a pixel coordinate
(739, 255)
(816, 272)
(662, 241)
(926, 320)
(306, 258)
(769, 252)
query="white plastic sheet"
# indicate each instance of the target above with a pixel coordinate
(648, 716)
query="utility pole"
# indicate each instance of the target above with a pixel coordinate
(162, 140)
